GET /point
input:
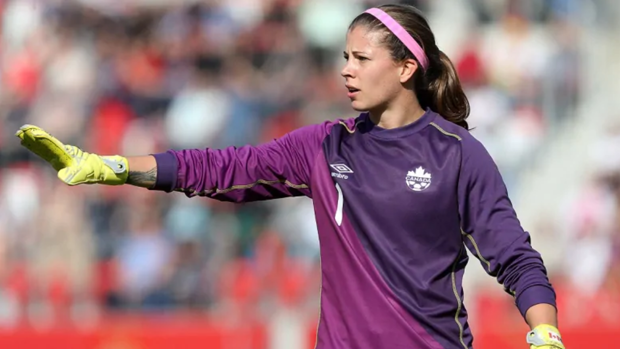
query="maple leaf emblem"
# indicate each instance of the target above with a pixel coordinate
(419, 172)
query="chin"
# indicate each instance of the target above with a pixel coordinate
(360, 107)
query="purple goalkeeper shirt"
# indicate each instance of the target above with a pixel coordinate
(395, 210)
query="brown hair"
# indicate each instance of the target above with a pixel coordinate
(438, 87)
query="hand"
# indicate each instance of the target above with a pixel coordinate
(545, 337)
(74, 166)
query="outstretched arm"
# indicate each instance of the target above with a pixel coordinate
(142, 171)
(280, 168)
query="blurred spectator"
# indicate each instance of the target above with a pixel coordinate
(143, 258)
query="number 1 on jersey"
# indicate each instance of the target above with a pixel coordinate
(338, 216)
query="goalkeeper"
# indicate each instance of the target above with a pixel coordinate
(399, 192)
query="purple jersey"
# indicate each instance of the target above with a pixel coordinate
(395, 210)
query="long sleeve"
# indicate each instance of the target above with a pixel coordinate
(277, 169)
(493, 233)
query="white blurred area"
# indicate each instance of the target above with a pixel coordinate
(140, 76)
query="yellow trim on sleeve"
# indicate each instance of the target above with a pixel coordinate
(246, 186)
(478, 254)
(459, 301)
(446, 132)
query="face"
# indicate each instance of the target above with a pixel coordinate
(372, 77)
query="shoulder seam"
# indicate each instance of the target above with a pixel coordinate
(445, 132)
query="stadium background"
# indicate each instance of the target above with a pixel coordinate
(125, 268)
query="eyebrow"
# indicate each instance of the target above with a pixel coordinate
(354, 52)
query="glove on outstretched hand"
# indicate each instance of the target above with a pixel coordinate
(74, 166)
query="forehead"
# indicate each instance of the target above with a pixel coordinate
(361, 38)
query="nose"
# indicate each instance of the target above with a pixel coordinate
(347, 71)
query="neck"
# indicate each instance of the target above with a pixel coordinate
(397, 115)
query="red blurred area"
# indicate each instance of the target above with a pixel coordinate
(140, 332)
(585, 323)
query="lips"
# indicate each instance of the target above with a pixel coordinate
(352, 91)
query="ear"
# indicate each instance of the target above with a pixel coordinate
(408, 68)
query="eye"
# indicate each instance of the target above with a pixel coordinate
(346, 57)
(362, 58)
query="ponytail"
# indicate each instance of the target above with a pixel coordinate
(440, 89)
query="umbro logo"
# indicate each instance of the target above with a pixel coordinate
(340, 169)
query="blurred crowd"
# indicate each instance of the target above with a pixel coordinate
(589, 236)
(138, 77)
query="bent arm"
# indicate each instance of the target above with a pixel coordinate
(491, 230)
(542, 314)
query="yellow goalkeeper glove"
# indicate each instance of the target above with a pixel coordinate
(545, 337)
(74, 166)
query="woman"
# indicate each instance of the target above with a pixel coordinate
(398, 193)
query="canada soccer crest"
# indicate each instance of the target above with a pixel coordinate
(419, 179)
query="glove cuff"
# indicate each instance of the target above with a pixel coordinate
(117, 170)
(545, 335)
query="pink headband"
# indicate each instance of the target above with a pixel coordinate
(401, 34)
